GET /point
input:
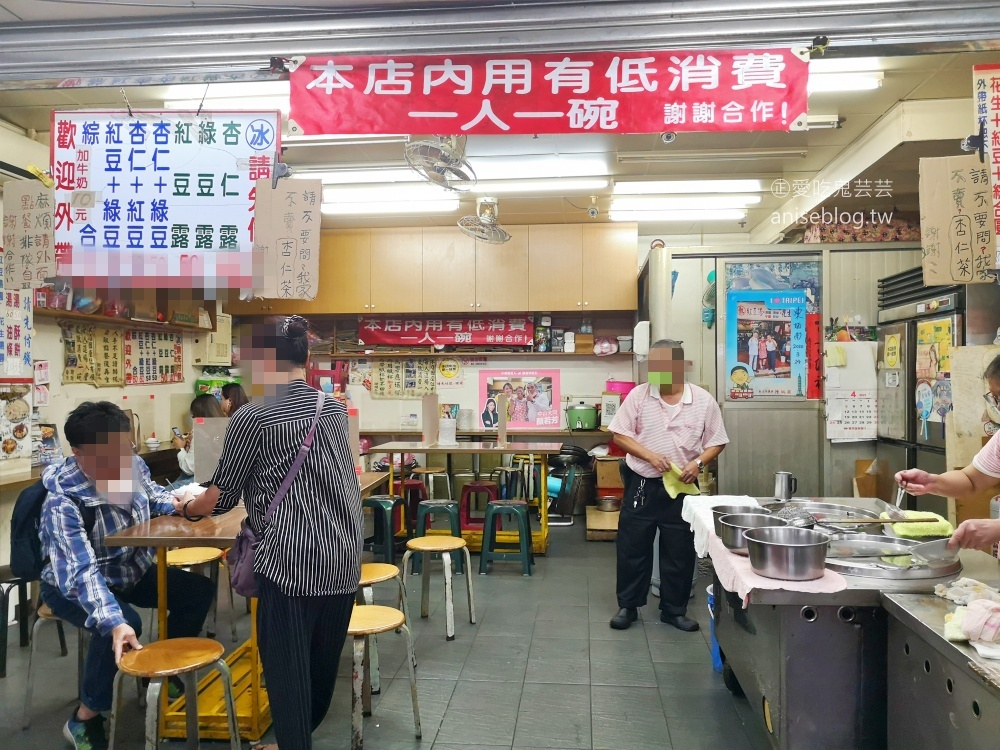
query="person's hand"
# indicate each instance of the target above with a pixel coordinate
(178, 443)
(690, 473)
(123, 640)
(659, 462)
(976, 533)
(179, 502)
(915, 481)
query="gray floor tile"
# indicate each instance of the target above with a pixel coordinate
(481, 713)
(691, 703)
(615, 663)
(674, 677)
(560, 612)
(681, 652)
(450, 746)
(497, 658)
(554, 716)
(632, 718)
(559, 661)
(562, 628)
(709, 733)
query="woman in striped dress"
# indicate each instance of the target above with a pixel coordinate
(308, 563)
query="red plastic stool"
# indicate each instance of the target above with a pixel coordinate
(413, 491)
(489, 489)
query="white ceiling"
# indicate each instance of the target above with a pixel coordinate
(906, 78)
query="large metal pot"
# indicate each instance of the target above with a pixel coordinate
(725, 510)
(788, 553)
(733, 526)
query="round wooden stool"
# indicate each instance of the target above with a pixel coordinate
(371, 574)
(443, 545)
(44, 616)
(190, 557)
(429, 474)
(366, 622)
(175, 657)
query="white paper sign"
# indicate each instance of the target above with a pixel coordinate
(16, 333)
(27, 253)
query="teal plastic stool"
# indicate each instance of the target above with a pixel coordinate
(383, 506)
(427, 509)
(518, 510)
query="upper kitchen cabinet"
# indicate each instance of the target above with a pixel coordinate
(555, 267)
(502, 274)
(449, 271)
(345, 271)
(396, 271)
(610, 266)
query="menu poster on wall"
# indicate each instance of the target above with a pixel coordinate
(286, 239)
(153, 357)
(957, 226)
(16, 332)
(108, 370)
(28, 255)
(15, 419)
(159, 199)
(78, 354)
(766, 344)
(986, 89)
(92, 355)
(532, 398)
(403, 378)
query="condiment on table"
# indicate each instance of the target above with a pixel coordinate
(252, 706)
(474, 538)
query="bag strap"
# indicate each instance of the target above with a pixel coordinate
(300, 458)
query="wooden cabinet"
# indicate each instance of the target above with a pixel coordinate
(555, 267)
(345, 271)
(449, 271)
(502, 274)
(610, 266)
(396, 271)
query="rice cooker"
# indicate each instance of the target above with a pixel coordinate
(581, 417)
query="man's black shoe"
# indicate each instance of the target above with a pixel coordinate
(625, 617)
(680, 622)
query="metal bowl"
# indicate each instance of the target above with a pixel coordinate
(788, 554)
(609, 503)
(727, 510)
(733, 525)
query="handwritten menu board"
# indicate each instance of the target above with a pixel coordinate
(15, 420)
(956, 221)
(403, 378)
(92, 355)
(986, 85)
(16, 331)
(286, 239)
(153, 357)
(107, 369)
(28, 256)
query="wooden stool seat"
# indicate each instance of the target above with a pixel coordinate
(188, 556)
(171, 657)
(44, 613)
(436, 543)
(430, 470)
(372, 573)
(373, 619)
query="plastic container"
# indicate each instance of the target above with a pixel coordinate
(624, 343)
(713, 645)
(619, 386)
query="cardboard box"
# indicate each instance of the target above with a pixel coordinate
(608, 475)
(585, 342)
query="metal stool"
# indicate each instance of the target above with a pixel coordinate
(9, 582)
(44, 615)
(428, 509)
(366, 622)
(384, 507)
(429, 474)
(517, 509)
(445, 545)
(175, 657)
(465, 503)
(510, 480)
(372, 573)
(192, 557)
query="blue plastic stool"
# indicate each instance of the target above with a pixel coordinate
(383, 506)
(518, 510)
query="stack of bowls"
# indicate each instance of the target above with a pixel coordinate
(732, 527)
(724, 510)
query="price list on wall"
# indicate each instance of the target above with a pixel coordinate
(159, 198)
(153, 357)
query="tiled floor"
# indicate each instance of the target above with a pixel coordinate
(540, 669)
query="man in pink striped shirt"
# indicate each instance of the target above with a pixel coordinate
(662, 424)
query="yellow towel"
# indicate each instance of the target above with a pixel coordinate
(919, 530)
(674, 486)
(953, 625)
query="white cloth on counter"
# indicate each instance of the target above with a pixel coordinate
(967, 590)
(735, 574)
(986, 650)
(697, 511)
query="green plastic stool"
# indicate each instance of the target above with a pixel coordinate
(517, 509)
(383, 506)
(430, 508)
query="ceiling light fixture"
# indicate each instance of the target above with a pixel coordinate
(356, 176)
(537, 166)
(386, 193)
(669, 187)
(554, 185)
(829, 82)
(845, 65)
(391, 208)
(694, 203)
(305, 141)
(667, 156)
(236, 104)
(824, 122)
(722, 214)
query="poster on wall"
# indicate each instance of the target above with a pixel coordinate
(16, 331)
(532, 398)
(933, 390)
(15, 419)
(986, 87)
(286, 239)
(27, 253)
(153, 357)
(450, 373)
(403, 378)
(766, 344)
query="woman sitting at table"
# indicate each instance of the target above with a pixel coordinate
(309, 562)
(233, 397)
(204, 406)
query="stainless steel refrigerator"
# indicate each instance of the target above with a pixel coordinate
(918, 325)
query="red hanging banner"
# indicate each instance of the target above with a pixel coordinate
(610, 92)
(412, 332)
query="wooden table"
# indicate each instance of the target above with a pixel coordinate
(474, 538)
(253, 709)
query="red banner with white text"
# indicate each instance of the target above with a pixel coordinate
(456, 331)
(611, 92)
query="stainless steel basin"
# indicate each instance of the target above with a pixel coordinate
(733, 526)
(787, 553)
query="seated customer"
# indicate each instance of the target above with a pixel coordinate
(233, 397)
(102, 490)
(204, 406)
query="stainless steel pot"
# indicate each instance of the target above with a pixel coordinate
(609, 503)
(787, 554)
(733, 526)
(726, 510)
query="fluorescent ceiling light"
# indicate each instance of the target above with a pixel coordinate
(441, 206)
(696, 203)
(386, 193)
(826, 82)
(357, 176)
(537, 166)
(304, 141)
(727, 214)
(749, 154)
(227, 90)
(824, 122)
(241, 103)
(845, 65)
(668, 187)
(569, 185)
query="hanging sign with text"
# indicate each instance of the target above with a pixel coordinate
(611, 92)
(286, 240)
(486, 331)
(27, 254)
